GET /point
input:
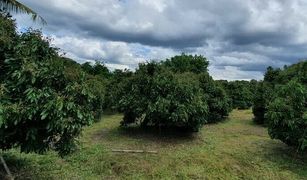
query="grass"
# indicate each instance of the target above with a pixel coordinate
(233, 149)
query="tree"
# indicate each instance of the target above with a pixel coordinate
(40, 108)
(219, 103)
(98, 69)
(271, 74)
(7, 37)
(187, 63)
(287, 115)
(116, 89)
(263, 96)
(273, 79)
(156, 97)
(17, 7)
(240, 94)
(96, 84)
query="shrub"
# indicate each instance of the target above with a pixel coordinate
(97, 86)
(116, 89)
(7, 36)
(218, 102)
(187, 63)
(156, 97)
(40, 108)
(98, 69)
(287, 115)
(263, 96)
(240, 94)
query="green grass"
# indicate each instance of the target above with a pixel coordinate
(234, 149)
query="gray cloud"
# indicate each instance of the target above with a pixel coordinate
(240, 38)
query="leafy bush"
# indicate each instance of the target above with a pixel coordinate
(156, 97)
(40, 107)
(240, 94)
(273, 78)
(116, 89)
(97, 86)
(187, 63)
(98, 69)
(287, 115)
(218, 102)
(7, 36)
(263, 96)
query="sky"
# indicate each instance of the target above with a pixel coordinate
(240, 38)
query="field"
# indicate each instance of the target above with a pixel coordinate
(233, 149)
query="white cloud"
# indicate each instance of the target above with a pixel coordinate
(240, 38)
(233, 73)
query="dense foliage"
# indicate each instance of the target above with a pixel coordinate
(177, 92)
(116, 89)
(262, 97)
(7, 36)
(187, 63)
(241, 93)
(273, 79)
(156, 97)
(280, 103)
(98, 69)
(218, 101)
(287, 115)
(40, 107)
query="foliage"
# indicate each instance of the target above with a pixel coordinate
(97, 87)
(155, 97)
(263, 96)
(218, 101)
(296, 71)
(177, 92)
(287, 115)
(266, 92)
(240, 94)
(116, 89)
(98, 69)
(7, 36)
(96, 84)
(187, 63)
(271, 74)
(40, 107)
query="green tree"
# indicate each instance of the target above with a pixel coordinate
(271, 74)
(40, 108)
(116, 89)
(273, 78)
(156, 97)
(98, 69)
(287, 115)
(263, 96)
(218, 101)
(187, 63)
(240, 94)
(7, 36)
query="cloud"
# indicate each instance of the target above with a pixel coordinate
(116, 54)
(240, 38)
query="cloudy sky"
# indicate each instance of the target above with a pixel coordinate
(240, 38)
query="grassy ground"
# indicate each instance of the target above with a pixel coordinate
(234, 149)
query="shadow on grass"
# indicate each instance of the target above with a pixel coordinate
(153, 135)
(19, 167)
(253, 123)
